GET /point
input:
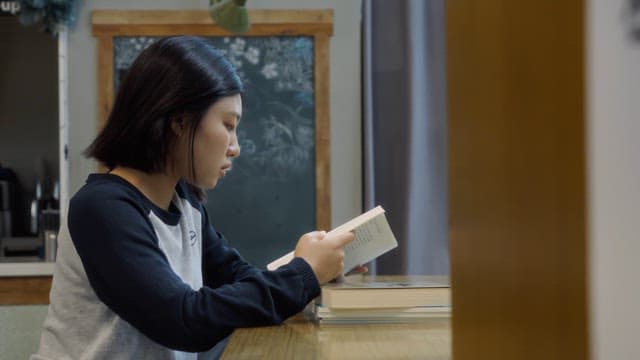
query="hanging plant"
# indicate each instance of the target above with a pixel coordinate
(230, 15)
(54, 14)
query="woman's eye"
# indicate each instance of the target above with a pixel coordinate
(229, 127)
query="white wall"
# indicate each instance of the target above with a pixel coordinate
(20, 330)
(344, 90)
(613, 112)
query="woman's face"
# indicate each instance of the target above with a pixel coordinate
(215, 143)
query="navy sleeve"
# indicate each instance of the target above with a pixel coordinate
(223, 265)
(131, 275)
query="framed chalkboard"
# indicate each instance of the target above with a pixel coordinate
(279, 188)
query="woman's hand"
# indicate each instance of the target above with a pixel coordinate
(360, 269)
(324, 253)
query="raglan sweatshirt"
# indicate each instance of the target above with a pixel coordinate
(135, 281)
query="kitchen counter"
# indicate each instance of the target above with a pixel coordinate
(13, 269)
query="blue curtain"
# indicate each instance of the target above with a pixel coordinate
(404, 131)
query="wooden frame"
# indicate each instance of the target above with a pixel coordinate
(106, 24)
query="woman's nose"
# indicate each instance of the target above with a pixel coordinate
(234, 149)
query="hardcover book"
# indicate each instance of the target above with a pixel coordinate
(385, 292)
(324, 315)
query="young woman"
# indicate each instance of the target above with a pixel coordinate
(140, 272)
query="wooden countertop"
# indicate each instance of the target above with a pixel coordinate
(301, 338)
(25, 283)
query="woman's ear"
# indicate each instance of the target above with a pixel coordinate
(177, 125)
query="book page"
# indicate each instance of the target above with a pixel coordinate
(280, 261)
(358, 220)
(373, 237)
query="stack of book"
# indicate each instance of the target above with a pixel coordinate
(383, 299)
(375, 299)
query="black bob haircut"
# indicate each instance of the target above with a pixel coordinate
(175, 79)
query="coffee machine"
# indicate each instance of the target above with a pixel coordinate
(8, 184)
(6, 218)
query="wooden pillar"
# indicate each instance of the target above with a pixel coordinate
(517, 179)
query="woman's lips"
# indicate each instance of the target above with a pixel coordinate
(225, 169)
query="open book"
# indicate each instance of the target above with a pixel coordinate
(373, 237)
